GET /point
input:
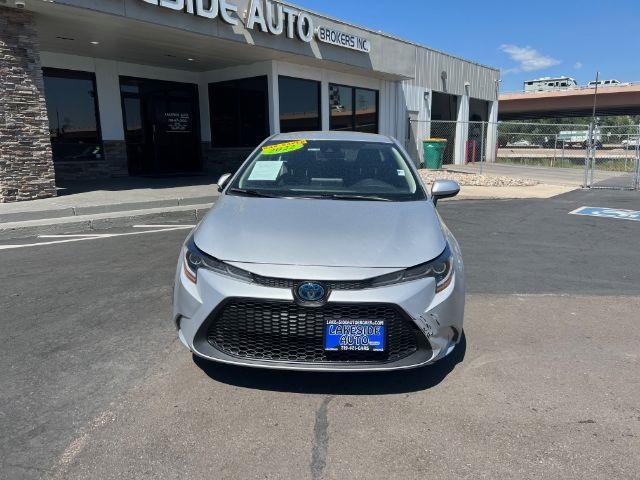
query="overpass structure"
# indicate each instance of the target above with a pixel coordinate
(575, 102)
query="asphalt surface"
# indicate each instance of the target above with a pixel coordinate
(545, 385)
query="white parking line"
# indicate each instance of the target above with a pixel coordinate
(91, 236)
(163, 226)
(69, 235)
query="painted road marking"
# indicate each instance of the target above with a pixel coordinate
(69, 235)
(91, 236)
(602, 212)
(163, 226)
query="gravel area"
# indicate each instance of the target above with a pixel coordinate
(473, 179)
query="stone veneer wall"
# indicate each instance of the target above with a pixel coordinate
(218, 161)
(26, 165)
(112, 164)
(115, 151)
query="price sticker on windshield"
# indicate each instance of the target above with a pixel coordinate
(283, 147)
(266, 171)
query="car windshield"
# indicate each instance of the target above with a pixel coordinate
(341, 170)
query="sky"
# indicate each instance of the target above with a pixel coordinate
(524, 39)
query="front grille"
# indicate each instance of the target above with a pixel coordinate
(284, 331)
(332, 285)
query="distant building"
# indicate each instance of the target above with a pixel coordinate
(547, 84)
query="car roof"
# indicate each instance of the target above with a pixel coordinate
(335, 136)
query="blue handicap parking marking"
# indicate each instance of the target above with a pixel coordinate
(602, 212)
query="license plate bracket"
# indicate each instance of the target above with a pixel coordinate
(344, 335)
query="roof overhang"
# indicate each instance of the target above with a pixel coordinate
(134, 31)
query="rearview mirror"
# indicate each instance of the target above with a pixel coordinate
(444, 189)
(222, 181)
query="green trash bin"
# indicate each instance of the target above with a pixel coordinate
(433, 152)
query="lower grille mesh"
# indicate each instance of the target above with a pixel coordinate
(283, 331)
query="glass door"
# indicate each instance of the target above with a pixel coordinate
(162, 131)
(176, 140)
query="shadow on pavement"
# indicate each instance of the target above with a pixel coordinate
(339, 383)
(133, 183)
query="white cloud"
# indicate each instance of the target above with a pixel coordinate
(577, 65)
(527, 58)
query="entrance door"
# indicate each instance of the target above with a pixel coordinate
(161, 126)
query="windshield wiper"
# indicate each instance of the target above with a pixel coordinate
(345, 196)
(251, 193)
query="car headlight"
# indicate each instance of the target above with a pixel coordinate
(195, 259)
(441, 269)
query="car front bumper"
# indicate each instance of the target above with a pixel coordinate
(436, 320)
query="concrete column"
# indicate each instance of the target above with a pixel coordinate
(325, 108)
(108, 84)
(110, 111)
(423, 128)
(492, 132)
(274, 99)
(26, 163)
(387, 115)
(462, 129)
(205, 114)
(425, 116)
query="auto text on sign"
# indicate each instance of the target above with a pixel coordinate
(269, 17)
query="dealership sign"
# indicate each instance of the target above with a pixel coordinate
(269, 17)
(342, 39)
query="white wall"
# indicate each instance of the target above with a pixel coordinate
(462, 130)
(417, 100)
(392, 100)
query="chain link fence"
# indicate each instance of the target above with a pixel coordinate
(592, 157)
(613, 160)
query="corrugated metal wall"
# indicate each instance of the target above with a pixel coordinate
(428, 78)
(429, 67)
(393, 113)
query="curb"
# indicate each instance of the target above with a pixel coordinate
(87, 223)
(73, 211)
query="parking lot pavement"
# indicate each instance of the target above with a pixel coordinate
(95, 385)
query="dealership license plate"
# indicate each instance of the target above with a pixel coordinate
(354, 336)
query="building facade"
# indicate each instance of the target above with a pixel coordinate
(96, 89)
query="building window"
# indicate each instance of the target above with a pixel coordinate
(299, 105)
(341, 106)
(366, 105)
(72, 107)
(353, 109)
(239, 112)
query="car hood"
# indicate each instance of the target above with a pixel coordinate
(334, 233)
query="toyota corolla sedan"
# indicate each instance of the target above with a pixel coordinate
(323, 252)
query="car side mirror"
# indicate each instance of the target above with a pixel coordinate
(222, 181)
(444, 189)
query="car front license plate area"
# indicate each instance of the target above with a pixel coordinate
(354, 336)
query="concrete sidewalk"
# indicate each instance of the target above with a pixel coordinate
(111, 203)
(114, 195)
(572, 177)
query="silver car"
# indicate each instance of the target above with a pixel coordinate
(323, 252)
